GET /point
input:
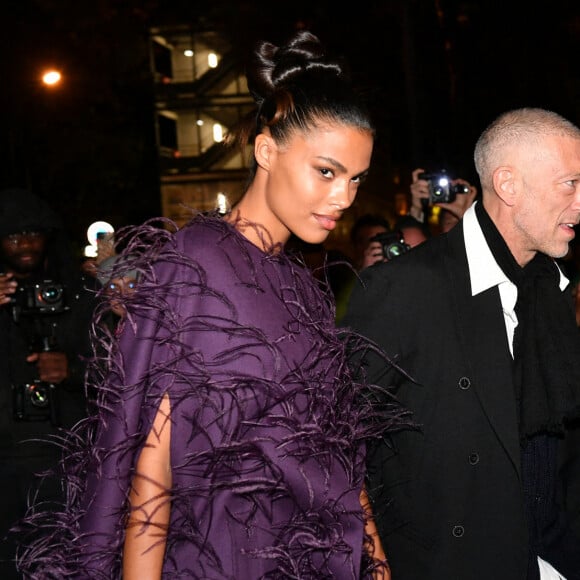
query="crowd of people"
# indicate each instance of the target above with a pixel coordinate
(48, 304)
(197, 404)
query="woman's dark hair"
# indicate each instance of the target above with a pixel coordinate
(296, 88)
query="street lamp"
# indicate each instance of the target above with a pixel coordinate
(51, 78)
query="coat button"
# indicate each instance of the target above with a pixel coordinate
(473, 458)
(464, 383)
(458, 531)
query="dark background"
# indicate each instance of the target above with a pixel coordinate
(435, 73)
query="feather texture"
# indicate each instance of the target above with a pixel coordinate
(268, 420)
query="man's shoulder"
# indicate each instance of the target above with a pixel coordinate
(416, 262)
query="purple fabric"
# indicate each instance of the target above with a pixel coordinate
(267, 423)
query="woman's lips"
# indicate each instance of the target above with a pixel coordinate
(328, 222)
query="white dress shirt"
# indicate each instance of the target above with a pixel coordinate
(484, 273)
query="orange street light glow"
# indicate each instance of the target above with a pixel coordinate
(51, 77)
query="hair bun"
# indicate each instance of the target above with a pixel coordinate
(274, 67)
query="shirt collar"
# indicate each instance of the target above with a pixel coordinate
(484, 271)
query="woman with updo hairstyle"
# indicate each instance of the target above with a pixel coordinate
(231, 433)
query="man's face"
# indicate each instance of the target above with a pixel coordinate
(547, 203)
(23, 253)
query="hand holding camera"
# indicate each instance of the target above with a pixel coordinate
(52, 366)
(441, 188)
(7, 288)
(392, 244)
(38, 299)
(39, 400)
(105, 246)
(419, 195)
(34, 306)
(453, 195)
(461, 203)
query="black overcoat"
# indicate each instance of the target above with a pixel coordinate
(448, 495)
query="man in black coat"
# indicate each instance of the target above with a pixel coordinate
(481, 322)
(45, 312)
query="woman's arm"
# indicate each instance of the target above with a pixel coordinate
(146, 531)
(375, 548)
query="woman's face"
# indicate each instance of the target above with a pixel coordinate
(310, 180)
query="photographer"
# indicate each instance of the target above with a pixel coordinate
(119, 281)
(452, 211)
(45, 312)
(374, 240)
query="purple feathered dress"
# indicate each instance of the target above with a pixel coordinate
(268, 426)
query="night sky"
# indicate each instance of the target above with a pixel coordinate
(435, 73)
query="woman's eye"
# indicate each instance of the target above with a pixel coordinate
(326, 172)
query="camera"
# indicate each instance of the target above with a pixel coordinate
(441, 190)
(31, 303)
(46, 297)
(35, 401)
(392, 244)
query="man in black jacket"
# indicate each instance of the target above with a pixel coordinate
(488, 485)
(45, 312)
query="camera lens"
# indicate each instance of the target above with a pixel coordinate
(50, 294)
(459, 188)
(394, 250)
(38, 395)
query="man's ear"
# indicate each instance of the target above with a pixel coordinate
(504, 184)
(264, 148)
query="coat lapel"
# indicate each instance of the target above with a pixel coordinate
(482, 332)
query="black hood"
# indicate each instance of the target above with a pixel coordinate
(21, 210)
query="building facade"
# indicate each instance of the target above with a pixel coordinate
(200, 93)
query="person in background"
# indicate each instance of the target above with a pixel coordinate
(231, 436)
(368, 249)
(365, 252)
(106, 248)
(451, 212)
(45, 312)
(362, 233)
(414, 232)
(481, 322)
(88, 266)
(118, 281)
